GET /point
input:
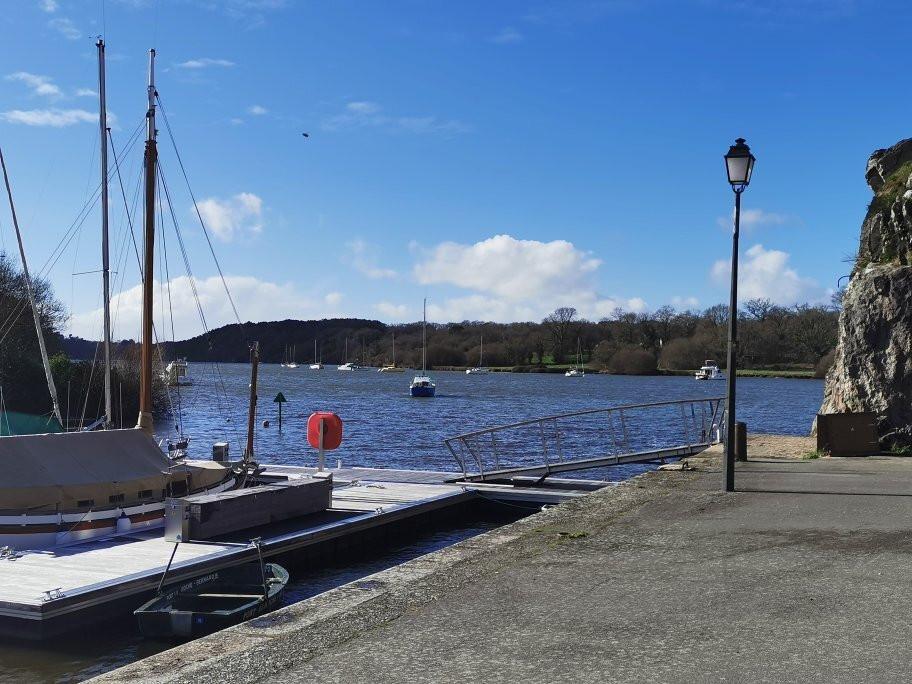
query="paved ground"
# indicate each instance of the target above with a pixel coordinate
(802, 575)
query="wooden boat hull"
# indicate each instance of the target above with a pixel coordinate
(213, 602)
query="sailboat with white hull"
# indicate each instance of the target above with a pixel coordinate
(317, 364)
(59, 489)
(422, 385)
(480, 368)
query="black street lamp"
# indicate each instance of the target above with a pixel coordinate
(739, 162)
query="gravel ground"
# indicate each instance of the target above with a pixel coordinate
(773, 446)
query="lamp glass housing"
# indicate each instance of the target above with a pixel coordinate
(739, 163)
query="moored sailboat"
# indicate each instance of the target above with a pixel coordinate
(392, 367)
(577, 371)
(480, 368)
(68, 487)
(318, 363)
(422, 385)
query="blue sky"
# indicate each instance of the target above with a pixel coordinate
(501, 159)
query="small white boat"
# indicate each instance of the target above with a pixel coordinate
(577, 370)
(347, 366)
(288, 360)
(480, 368)
(709, 371)
(318, 363)
(391, 367)
(175, 373)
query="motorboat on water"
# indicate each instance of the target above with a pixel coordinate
(176, 373)
(709, 371)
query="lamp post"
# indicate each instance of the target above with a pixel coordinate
(739, 163)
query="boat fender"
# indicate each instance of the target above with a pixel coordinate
(332, 430)
(123, 523)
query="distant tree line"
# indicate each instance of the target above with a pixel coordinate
(770, 336)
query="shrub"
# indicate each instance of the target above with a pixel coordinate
(632, 361)
(683, 353)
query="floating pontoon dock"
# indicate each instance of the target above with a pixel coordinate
(46, 593)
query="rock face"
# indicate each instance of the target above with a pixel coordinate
(872, 370)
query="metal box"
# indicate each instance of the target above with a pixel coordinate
(848, 434)
(204, 516)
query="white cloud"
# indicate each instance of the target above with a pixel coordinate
(392, 312)
(685, 303)
(65, 28)
(234, 217)
(362, 257)
(751, 219)
(362, 107)
(765, 274)
(506, 36)
(333, 298)
(257, 110)
(40, 85)
(255, 300)
(86, 92)
(512, 269)
(516, 280)
(49, 6)
(204, 62)
(57, 118)
(363, 114)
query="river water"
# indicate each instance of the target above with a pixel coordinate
(385, 428)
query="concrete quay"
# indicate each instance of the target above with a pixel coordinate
(801, 575)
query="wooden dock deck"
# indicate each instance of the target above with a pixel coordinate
(44, 593)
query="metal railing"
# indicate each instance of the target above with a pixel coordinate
(590, 439)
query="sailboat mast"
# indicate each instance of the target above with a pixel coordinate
(151, 157)
(424, 337)
(31, 295)
(251, 414)
(105, 262)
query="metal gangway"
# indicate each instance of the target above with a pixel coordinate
(594, 438)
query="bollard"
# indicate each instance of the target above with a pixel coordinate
(740, 441)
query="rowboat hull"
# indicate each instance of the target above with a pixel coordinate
(213, 602)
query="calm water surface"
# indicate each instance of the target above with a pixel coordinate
(384, 427)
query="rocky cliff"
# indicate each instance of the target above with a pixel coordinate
(872, 370)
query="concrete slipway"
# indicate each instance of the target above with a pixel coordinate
(802, 575)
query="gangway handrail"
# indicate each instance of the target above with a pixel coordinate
(697, 428)
(585, 412)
